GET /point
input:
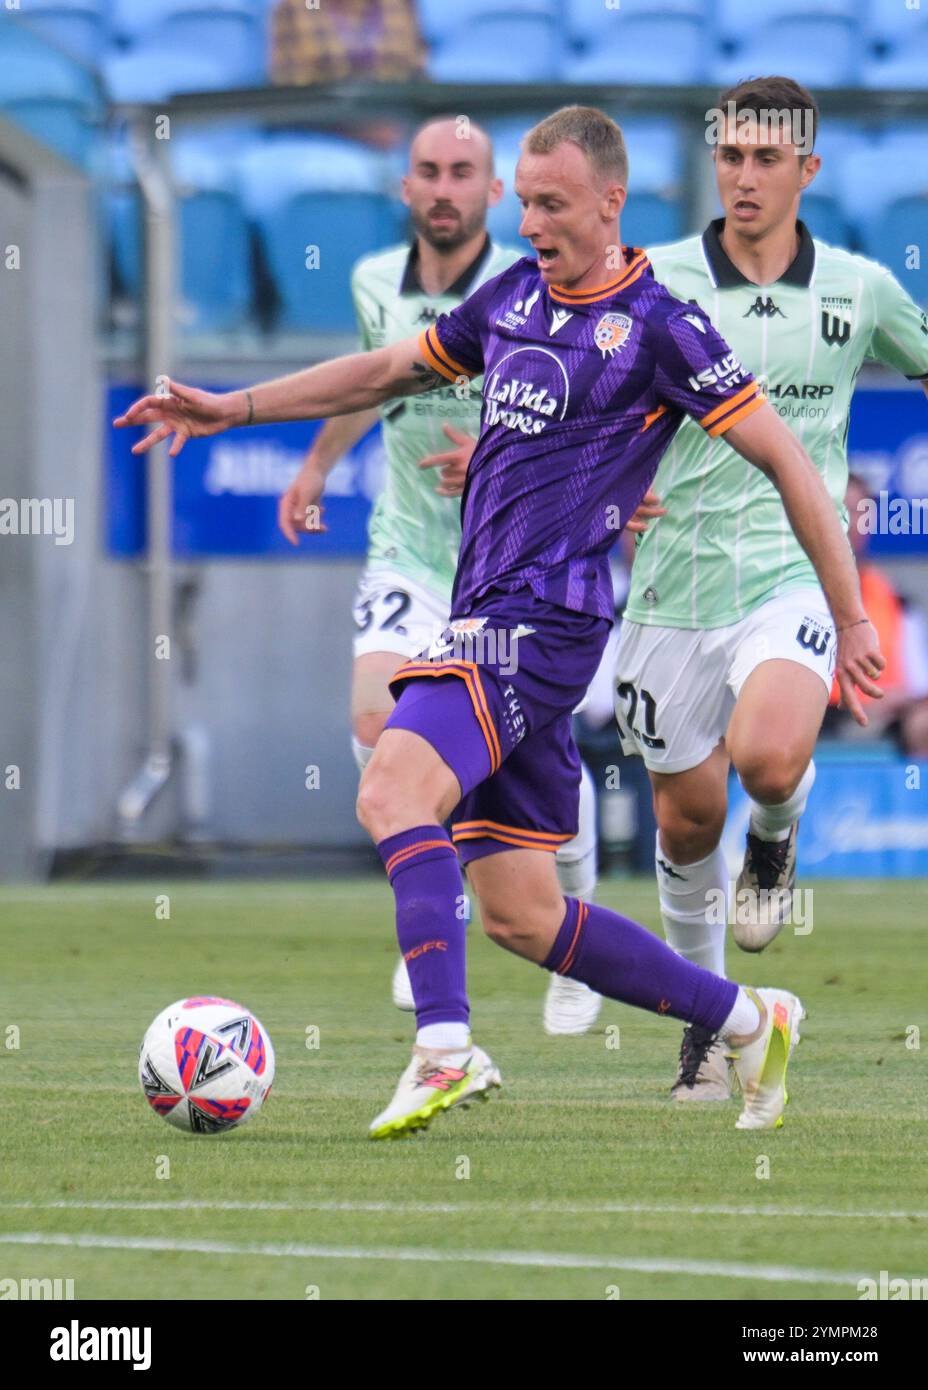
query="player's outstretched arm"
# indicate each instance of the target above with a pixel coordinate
(339, 387)
(299, 510)
(766, 442)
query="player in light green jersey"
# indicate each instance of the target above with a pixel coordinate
(404, 595)
(728, 648)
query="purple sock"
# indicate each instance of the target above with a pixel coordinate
(425, 875)
(622, 960)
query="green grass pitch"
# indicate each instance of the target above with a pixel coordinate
(579, 1180)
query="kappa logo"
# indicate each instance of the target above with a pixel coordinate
(763, 308)
(836, 319)
(558, 318)
(611, 333)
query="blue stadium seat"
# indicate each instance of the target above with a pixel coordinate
(877, 173)
(903, 224)
(438, 17)
(591, 22)
(149, 73)
(650, 220)
(213, 231)
(905, 64)
(826, 219)
(344, 227)
(320, 192)
(511, 43)
(78, 26)
(665, 48)
(739, 22)
(887, 22)
(53, 97)
(190, 45)
(818, 50)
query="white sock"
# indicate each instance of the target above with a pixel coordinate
(576, 861)
(773, 822)
(447, 1035)
(744, 1018)
(694, 907)
(362, 754)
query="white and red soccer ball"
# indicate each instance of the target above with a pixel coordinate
(206, 1064)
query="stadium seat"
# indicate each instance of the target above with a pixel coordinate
(887, 22)
(738, 22)
(903, 226)
(879, 171)
(826, 219)
(662, 47)
(509, 43)
(53, 97)
(213, 232)
(905, 64)
(190, 45)
(818, 50)
(342, 227)
(77, 26)
(437, 17)
(152, 74)
(322, 192)
(590, 22)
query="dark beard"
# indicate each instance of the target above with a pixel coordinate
(444, 242)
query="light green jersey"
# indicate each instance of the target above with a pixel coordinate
(412, 529)
(725, 545)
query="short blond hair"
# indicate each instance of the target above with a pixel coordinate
(595, 133)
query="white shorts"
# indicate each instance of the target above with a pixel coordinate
(393, 613)
(675, 688)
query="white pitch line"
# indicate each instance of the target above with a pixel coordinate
(531, 1259)
(465, 1208)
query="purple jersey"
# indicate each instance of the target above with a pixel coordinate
(582, 393)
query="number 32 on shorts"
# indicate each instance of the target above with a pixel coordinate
(386, 610)
(639, 701)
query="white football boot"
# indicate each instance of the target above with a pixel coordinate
(571, 1007)
(402, 989)
(764, 891)
(760, 1065)
(435, 1081)
(703, 1072)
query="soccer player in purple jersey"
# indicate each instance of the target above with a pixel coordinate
(589, 368)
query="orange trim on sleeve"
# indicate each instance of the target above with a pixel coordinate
(747, 409)
(724, 406)
(430, 345)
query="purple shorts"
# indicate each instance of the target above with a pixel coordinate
(494, 696)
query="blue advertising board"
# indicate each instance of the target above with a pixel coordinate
(226, 488)
(226, 491)
(867, 817)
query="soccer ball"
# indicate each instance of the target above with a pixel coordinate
(206, 1064)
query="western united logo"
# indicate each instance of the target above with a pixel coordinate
(836, 319)
(611, 333)
(763, 308)
(813, 636)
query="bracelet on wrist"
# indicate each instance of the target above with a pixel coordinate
(849, 625)
(251, 408)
